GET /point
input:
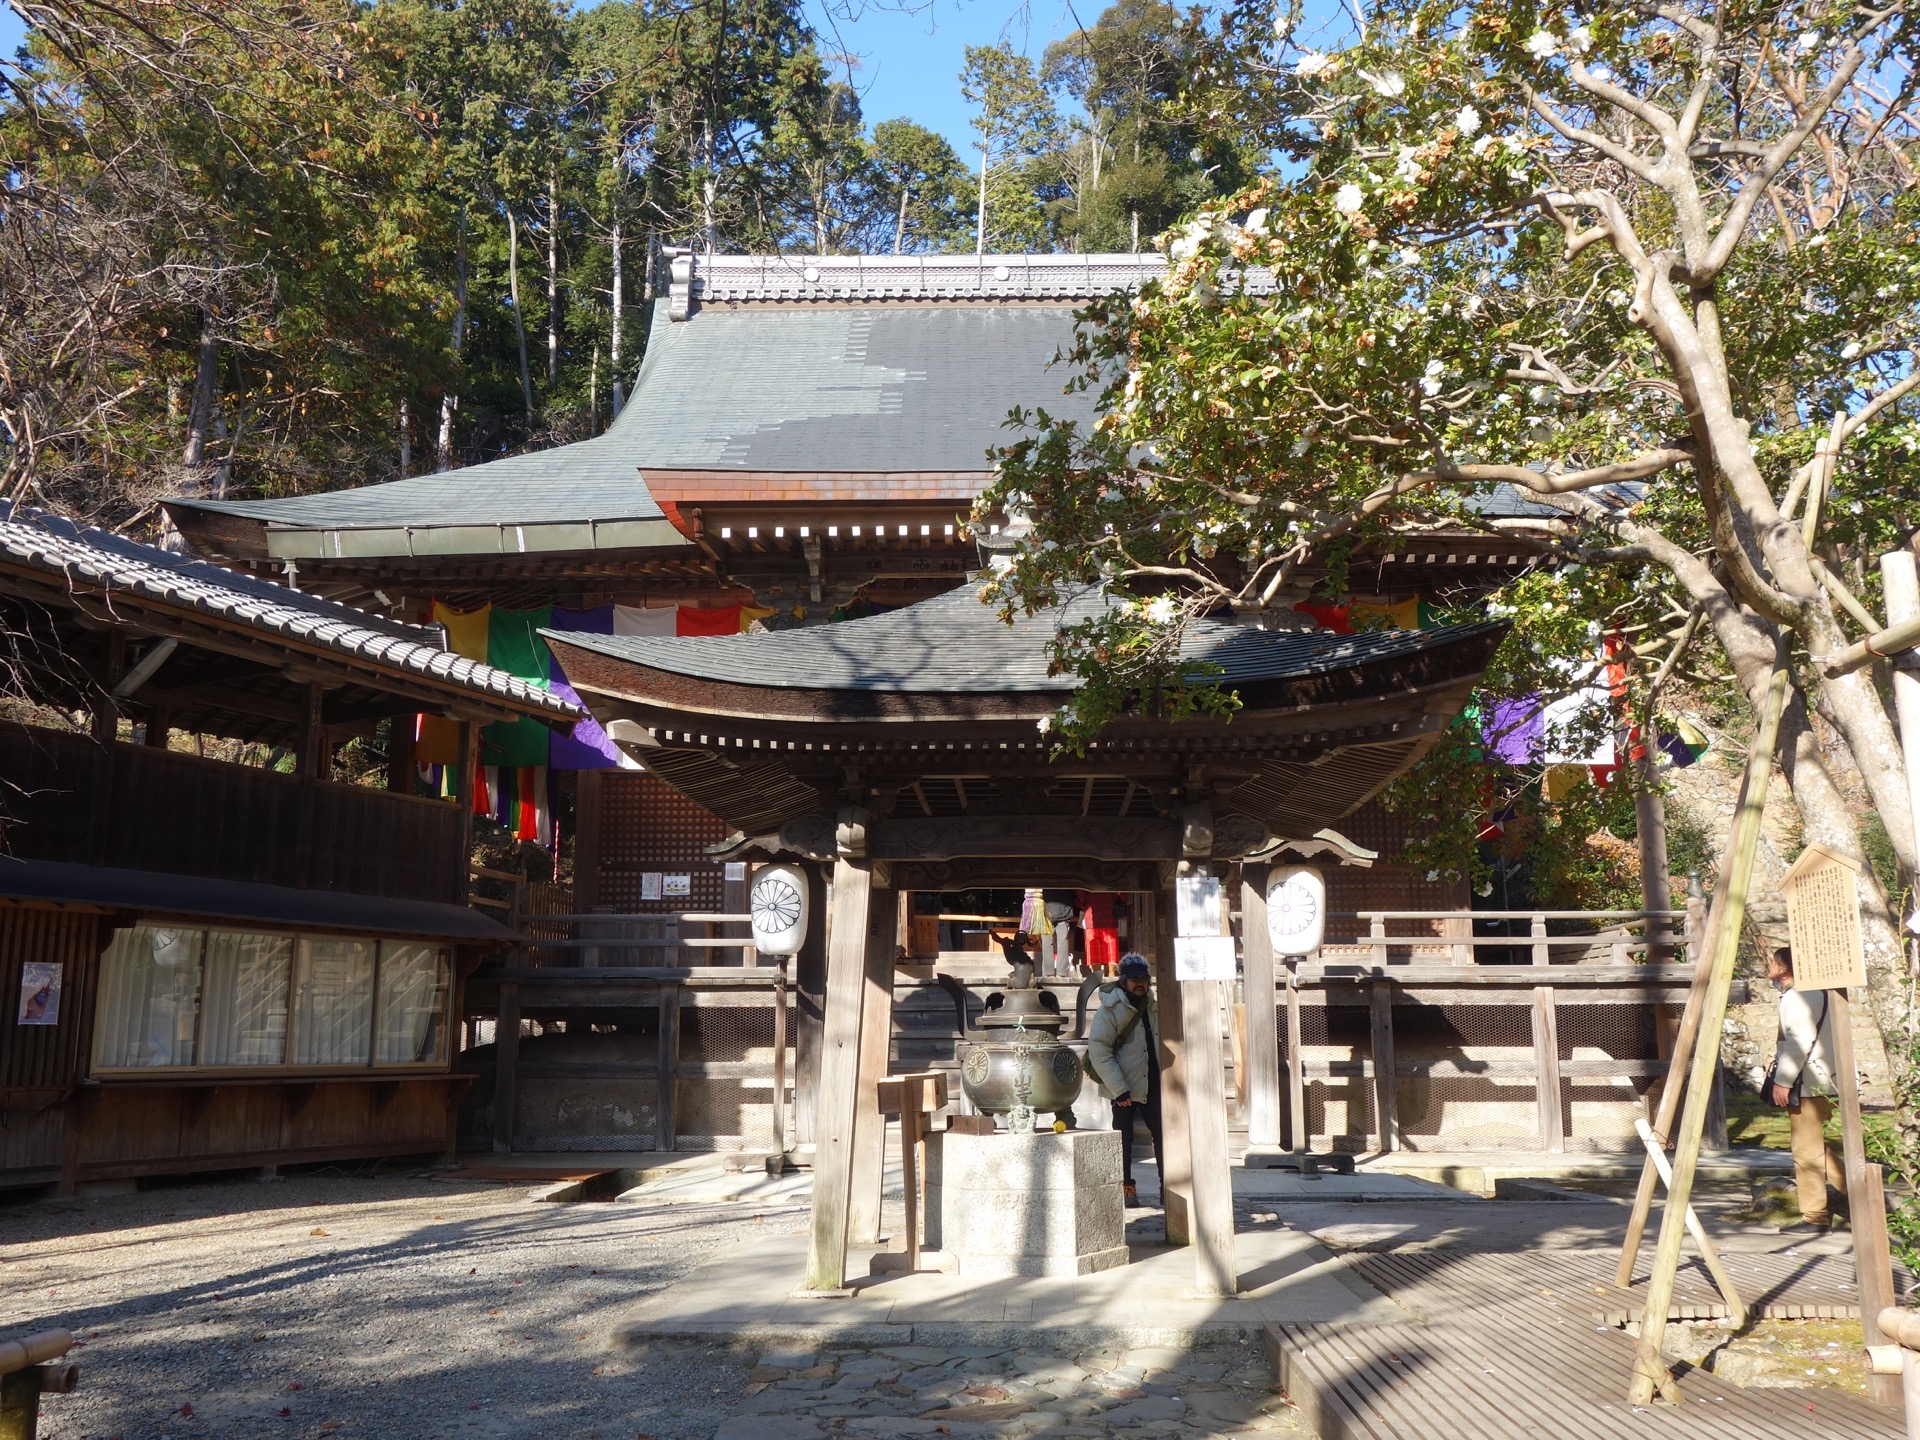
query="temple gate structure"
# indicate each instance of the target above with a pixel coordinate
(908, 752)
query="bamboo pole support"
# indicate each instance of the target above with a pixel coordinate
(1729, 1292)
(1671, 1092)
(1650, 1370)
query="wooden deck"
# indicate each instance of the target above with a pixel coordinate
(1528, 1347)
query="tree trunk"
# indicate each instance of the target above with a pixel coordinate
(593, 395)
(193, 454)
(450, 402)
(553, 274)
(619, 294)
(900, 225)
(406, 439)
(980, 216)
(519, 317)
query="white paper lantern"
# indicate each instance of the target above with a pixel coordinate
(778, 904)
(1296, 909)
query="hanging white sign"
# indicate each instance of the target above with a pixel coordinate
(1296, 909)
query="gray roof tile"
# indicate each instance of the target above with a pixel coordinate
(953, 644)
(55, 546)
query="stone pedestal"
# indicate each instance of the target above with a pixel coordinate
(1041, 1204)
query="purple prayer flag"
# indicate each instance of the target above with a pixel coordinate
(588, 748)
(1515, 732)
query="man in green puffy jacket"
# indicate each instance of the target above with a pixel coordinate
(1124, 1050)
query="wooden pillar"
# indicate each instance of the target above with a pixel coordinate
(105, 714)
(809, 1009)
(400, 754)
(1386, 1104)
(159, 729)
(1211, 1174)
(839, 1075)
(463, 797)
(588, 788)
(1176, 1179)
(1650, 826)
(506, 1060)
(312, 760)
(876, 1047)
(1546, 1063)
(666, 1071)
(1261, 1084)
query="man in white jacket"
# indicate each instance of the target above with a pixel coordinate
(1803, 1084)
(1123, 1047)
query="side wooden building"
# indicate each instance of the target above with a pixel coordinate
(206, 964)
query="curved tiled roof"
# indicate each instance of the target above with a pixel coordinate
(138, 575)
(954, 644)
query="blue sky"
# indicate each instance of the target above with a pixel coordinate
(908, 61)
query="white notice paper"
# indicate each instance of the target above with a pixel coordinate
(650, 885)
(1203, 957)
(676, 887)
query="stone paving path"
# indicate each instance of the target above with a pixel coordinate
(1220, 1389)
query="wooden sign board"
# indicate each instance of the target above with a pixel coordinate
(1823, 920)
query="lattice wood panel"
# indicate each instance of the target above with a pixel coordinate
(49, 1056)
(1389, 884)
(646, 825)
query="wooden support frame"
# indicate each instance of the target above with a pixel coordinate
(839, 1077)
(1299, 1136)
(876, 1046)
(1260, 1087)
(506, 1061)
(1872, 1256)
(400, 767)
(1386, 1103)
(666, 1072)
(1546, 1061)
(914, 1098)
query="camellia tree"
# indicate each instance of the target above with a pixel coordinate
(1654, 265)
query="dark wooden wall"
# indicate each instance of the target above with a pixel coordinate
(70, 798)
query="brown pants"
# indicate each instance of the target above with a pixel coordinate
(1815, 1164)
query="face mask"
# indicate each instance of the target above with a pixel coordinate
(1779, 985)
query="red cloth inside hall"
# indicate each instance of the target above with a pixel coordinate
(1100, 920)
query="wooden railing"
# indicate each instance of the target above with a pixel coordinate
(1550, 937)
(601, 940)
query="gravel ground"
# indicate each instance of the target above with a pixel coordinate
(391, 1308)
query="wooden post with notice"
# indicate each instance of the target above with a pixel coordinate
(1829, 954)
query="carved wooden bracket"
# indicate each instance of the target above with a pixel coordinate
(850, 834)
(1196, 830)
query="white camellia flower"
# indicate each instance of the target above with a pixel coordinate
(1809, 41)
(1853, 349)
(1311, 64)
(1430, 383)
(1408, 166)
(1257, 222)
(1467, 122)
(1348, 198)
(1388, 84)
(1580, 40)
(1161, 609)
(1485, 143)
(1600, 72)
(1542, 43)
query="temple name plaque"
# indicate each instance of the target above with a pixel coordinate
(1823, 920)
